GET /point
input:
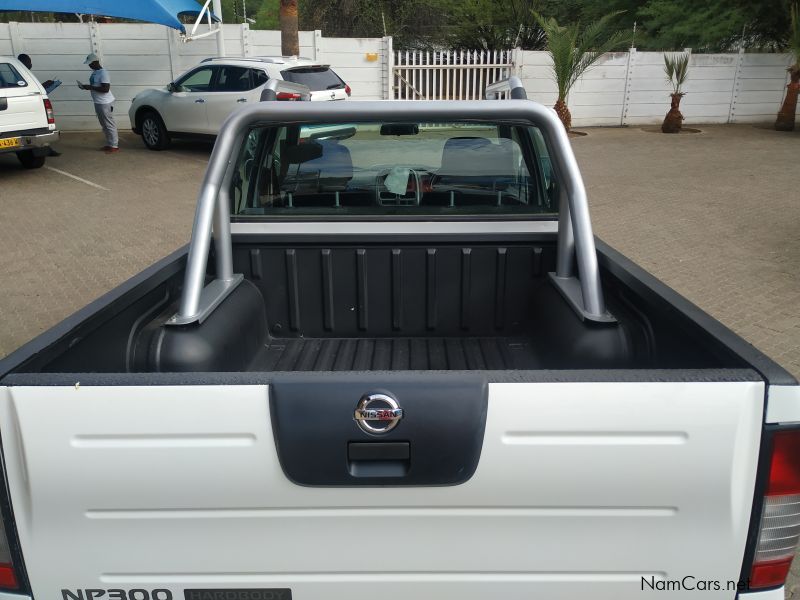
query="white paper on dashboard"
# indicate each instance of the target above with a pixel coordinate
(397, 180)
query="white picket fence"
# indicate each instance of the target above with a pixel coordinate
(141, 56)
(448, 75)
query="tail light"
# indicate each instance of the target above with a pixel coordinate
(347, 90)
(48, 108)
(8, 577)
(779, 529)
(288, 96)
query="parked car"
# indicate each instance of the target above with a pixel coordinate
(199, 101)
(406, 370)
(27, 122)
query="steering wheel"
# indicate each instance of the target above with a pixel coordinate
(383, 197)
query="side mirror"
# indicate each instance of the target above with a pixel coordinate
(173, 87)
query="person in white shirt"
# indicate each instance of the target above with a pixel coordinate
(100, 87)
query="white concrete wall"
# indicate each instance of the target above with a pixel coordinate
(630, 88)
(144, 56)
(625, 88)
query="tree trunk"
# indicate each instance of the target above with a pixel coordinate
(674, 119)
(786, 116)
(563, 113)
(290, 41)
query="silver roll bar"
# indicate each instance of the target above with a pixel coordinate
(512, 85)
(587, 298)
(198, 300)
(575, 237)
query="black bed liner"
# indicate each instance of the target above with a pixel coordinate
(397, 354)
(537, 334)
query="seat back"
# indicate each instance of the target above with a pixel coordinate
(458, 156)
(335, 166)
(315, 182)
(476, 162)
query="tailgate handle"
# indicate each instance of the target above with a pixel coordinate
(379, 459)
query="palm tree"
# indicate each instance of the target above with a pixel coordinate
(676, 66)
(290, 43)
(785, 120)
(574, 51)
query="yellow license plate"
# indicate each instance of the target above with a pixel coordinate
(9, 142)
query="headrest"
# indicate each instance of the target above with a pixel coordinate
(335, 162)
(477, 157)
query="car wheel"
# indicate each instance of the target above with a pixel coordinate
(154, 133)
(29, 160)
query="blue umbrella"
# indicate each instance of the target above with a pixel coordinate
(163, 12)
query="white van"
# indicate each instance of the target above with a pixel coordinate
(27, 123)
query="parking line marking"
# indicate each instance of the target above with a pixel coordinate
(76, 178)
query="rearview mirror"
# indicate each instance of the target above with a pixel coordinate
(399, 129)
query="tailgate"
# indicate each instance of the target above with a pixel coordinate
(21, 112)
(21, 107)
(581, 489)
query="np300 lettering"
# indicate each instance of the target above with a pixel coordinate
(116, 594)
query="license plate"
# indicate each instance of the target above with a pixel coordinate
(9, 142)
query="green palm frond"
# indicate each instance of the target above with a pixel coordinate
(574, 51)
(676, 68)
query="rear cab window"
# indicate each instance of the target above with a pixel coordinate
(10, 77)
(317, 79)
(394, 169)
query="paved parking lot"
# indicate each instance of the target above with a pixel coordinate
(85, 223)
(716, 215)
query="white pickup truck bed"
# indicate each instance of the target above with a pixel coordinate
(523, 444)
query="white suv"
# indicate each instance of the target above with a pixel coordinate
(199, 101)
(27, 124)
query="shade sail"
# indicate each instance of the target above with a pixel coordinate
(163, 12)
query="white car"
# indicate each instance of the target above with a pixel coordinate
(199, 101)
(27, 124)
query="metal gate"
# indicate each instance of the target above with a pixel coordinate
(448, 75)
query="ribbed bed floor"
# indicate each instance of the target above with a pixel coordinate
(396, 354)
